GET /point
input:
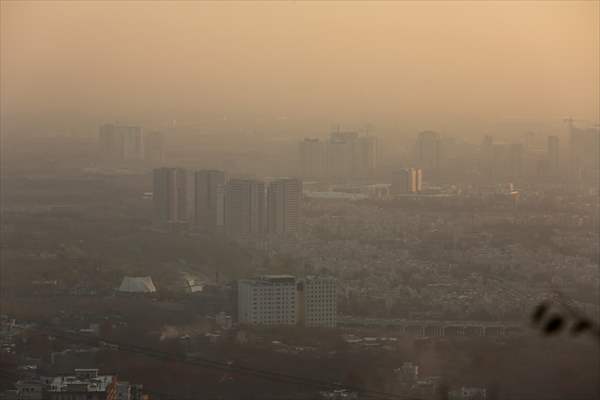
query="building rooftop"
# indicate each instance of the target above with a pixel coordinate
(271, 279)
(137, 285)
(74, 383)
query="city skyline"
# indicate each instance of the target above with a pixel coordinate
(517, 63)
(332, 200)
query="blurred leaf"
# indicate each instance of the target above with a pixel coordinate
(581, 326)
(539, 312)
(554, 325)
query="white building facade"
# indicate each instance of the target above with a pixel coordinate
(283, 300)
(317, 302)
(268, 300)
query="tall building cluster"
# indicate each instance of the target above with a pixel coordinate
(509, 161)
(237, 207)
(122, 143)
(438, 156)
(285, 300)
(407, 181)
(345, 155)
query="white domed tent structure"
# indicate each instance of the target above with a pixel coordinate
(141, 284)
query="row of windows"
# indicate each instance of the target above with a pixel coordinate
(282, 301)
(272, 312)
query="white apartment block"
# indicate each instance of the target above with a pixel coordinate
(317, 301)
(268, 300)
(283, 300)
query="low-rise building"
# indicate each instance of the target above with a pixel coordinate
(85, 384)
(29, 390)
(468, 393)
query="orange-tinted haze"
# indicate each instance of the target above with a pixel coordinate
(428, 64)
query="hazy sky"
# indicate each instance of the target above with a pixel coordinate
(428, 64)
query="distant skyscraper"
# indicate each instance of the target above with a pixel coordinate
(170, 194)
(346, 155)
(351, 156)
(313, 156)
(515, 161)
(365, 157)
(208, 199)
(553, 156)
(584, 154)
(408, 180)
(109, 144)
(244, 207)
(429, 151)
(283, 206)
(154, 147)
(419, 179)
(344, 136)
(121, 143)
(340, 154)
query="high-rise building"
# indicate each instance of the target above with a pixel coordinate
(364, 160)
(408, 180)
(351, 156)
(584, 157)
(340, 155)
(154, 147)
(121, 143)
(317, 304)
(429, 151)
(284, 206)
(343, 136)
(208, 199)
(109, 143)
(515, 160)
(244, 207)
(268, 300)
(346, 155)
(419, 178)
(553, 156)
(170, 194)
(313, 156)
